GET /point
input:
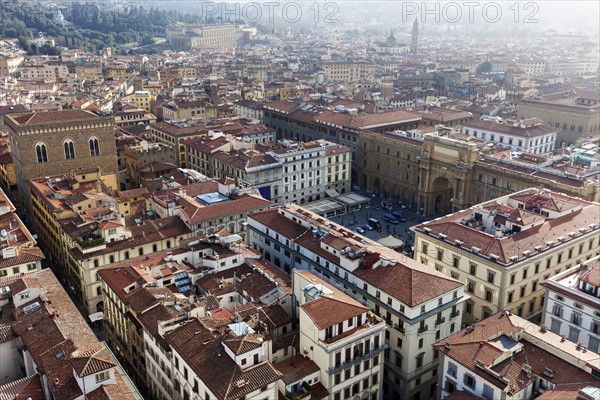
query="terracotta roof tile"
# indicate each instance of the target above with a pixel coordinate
(62, 116)
(326, 312)
(206, 356)
(29, 387)
(296, 368)
(92, 362)
(243, 344)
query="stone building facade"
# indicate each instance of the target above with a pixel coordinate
(58, 142)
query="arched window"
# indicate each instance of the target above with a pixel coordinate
(69, 149)
(94, 147)
(41, 152)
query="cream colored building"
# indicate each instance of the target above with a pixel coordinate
(420, 305)
(574, 115)
(49, 70)
(346, 71)
(104, 242)
(338, 167)
(505, 248)
(142, 99)
(186, 110)
(9, 65)
(341, 336)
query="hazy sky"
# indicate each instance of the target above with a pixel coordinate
(562, 15)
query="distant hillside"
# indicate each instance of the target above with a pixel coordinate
(89, 26)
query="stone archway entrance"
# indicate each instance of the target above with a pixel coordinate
(377, 186)
(396, 191)
(406, 196)
(386, 189)
(441, 196)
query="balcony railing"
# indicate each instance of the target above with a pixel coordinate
(360, 358)
(422, 329)
(399, 328)
(455, 313)
(440, 321)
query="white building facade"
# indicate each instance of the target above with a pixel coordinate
(573, 304)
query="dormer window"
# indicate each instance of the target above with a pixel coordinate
(102, 376)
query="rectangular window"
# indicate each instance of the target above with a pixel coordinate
(573, 334)
(469, 308)
(488, 392)
(576, 319)
(471, 287)
(555, 326)
(593, 344)
(469, 381)
(452, 369)
(489, 296)
(102, 376)
(420, 360)
(595, 327)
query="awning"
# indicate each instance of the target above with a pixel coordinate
(332, 193)
(390, 241)
(99, 316)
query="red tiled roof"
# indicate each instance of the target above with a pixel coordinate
(326, 312)
(205, 355)
(47, 117)
(515, 244)
(279, 223)
(243, 344)
(296, 368)
(485, 342)
(409, 281)
(29, 387)
(92, 362)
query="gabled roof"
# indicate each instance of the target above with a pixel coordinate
(243, 344)
(29, 387)
(326, 312)
(92, 362)
(205, 355)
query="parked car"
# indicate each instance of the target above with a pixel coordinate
(397, 214)
(377, 208)
(374, 223)
(390, 218)
(402, 219)
(367, 227)
(360, 230)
